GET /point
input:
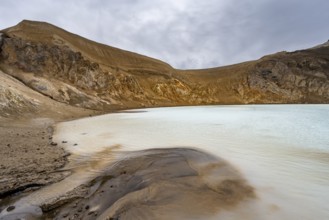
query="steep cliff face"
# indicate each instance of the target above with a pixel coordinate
(296, 77)
(75, 71)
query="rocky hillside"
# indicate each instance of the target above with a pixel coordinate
(69, 69)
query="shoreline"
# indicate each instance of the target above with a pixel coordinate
(43, 170)
(105, 163)
(30, 160)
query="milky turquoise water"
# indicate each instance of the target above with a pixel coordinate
(282, 150)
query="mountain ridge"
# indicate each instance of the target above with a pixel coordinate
(75, 71)
(31, 30)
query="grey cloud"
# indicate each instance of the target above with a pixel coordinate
(185, 33)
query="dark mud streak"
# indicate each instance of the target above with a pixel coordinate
(19, 189)
(150, 181)
(172, 183)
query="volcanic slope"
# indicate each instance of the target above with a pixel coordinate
(72, 70)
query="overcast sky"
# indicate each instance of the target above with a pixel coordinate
(185, 33)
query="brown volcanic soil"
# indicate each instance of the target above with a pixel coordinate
(28, 159)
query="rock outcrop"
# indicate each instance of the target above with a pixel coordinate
(75, 71)
(296, 77)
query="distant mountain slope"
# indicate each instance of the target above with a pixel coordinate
(48, 34)
(73, 70)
